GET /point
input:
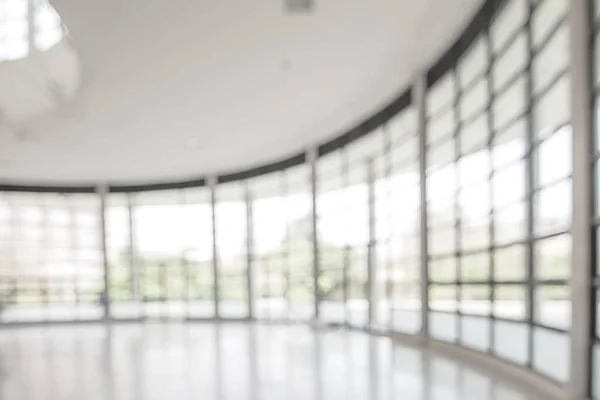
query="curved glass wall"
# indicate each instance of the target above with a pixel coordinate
(51, 268)
(478, 173)
(499, 192)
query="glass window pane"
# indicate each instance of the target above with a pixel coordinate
(510, 104)
(443, 326)
(510, 224)
(555, 159)
(553, 208)
(442, 241)
(474, 101)
(474, 135)
(473, 63)
(509, 263)
(475, 332)
(474, 203)
(403, 124)
(475, 235)
(553, 258)
(551, 354)
(474, 168)
(509, 301)
(443, 297)
(370, 145)
(510, 20)
(441, 126)
(443, 270)
(441, 95)
(511, 341)
(545, 18)
(510, 144)
(510, 64)
(552, 110)
(441, 183)
(475, 267)
(475, 300)
(553, 306)
(552, 60)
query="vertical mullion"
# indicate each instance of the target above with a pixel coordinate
(133, 264)
(213, 187)
(457, 209)
(387, 154)
(583, 292)
(102, 191)
(371, 264)
(490, 148)
(312, 157)
(74, 262)
(286, 245)
(346, 260)
(250, 282)
(420, 90)
(46, 252)
(530, 162)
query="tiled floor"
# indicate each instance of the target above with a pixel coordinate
(178, 361)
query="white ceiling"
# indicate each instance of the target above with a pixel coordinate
(178, 89)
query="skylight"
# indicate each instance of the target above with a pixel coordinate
(27, 26)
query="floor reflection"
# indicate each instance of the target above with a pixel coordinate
(226, 362)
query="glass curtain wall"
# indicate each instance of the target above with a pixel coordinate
(359, 201)
(499, 187)
(499, 192)
(160, 246)
(161, 266)
(231, 257)
(50, 257)
(124, 277)
(198, 257)
(331, 233)
(298, 233)
(270, 246)
(404, 229)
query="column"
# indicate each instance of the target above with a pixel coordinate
(419, 91)
(312, 159)
(102, 191)
(212, 184)
(373, 293)
(582, 270)
(134, 270)
(250, 276)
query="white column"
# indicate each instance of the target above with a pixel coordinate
(312, 160)
(102, 191)
(250, 273)
(373, 277)
(418, 97)
(212, 184)
(133, 264)
(581, 276)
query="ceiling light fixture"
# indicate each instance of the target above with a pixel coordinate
(299, 6)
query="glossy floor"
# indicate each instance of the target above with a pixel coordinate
(227, 362)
